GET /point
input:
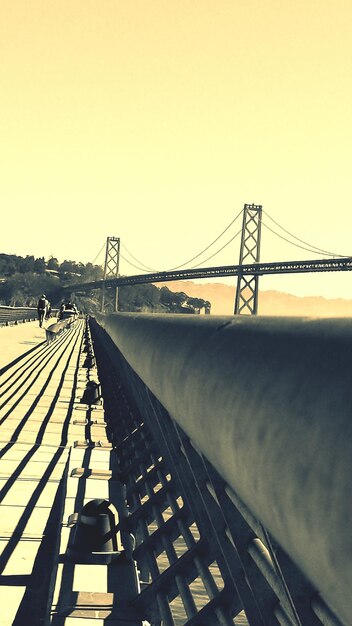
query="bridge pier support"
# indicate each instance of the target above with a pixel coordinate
(246, 301)
(109, 296)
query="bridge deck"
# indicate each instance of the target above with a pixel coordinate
(49, 469)
(16, 340)
(55, 457)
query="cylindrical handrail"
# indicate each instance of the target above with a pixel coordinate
(268, 401)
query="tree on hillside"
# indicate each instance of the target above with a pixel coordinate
(40, 265)
(68, 267)
(53, 264)
(28, 264)
(173, 300)
(139, 298)
(25, 289)
(8, 264)
(91, 272)
(197, 303)
(26, 279)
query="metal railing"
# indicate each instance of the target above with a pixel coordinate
(254, 417)
(13, 315)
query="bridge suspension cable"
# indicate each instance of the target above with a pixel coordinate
(217, 252)
(310, 248)
(100, 251)
(209, 246)
(198, 264)
(298, 245)
(143, 267)
(146, 268)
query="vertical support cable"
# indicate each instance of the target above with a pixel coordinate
(246, 301)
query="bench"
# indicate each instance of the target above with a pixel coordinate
(56, 329)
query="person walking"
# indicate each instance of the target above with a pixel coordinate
(61, 312)
(48, 311)
(42, 309)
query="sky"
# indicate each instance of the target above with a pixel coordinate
(156, 121)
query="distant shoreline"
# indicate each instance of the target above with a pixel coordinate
(271, 302)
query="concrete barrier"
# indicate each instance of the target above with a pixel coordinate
(268, 401)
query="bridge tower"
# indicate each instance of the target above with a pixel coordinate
(109, 295)
(246, 302)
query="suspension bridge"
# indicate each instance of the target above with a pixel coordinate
(247, 271)
(171, 470)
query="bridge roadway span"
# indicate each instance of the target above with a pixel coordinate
(343, 264)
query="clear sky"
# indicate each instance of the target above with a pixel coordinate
(156, 120)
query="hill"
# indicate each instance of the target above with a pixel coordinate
(222, 298)
(23, 279)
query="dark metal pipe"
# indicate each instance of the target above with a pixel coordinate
(268, 401)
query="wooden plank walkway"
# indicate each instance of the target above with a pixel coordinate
(17, 339)
(49, 469)
(40, 419)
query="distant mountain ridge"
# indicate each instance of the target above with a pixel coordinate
(222, 298)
